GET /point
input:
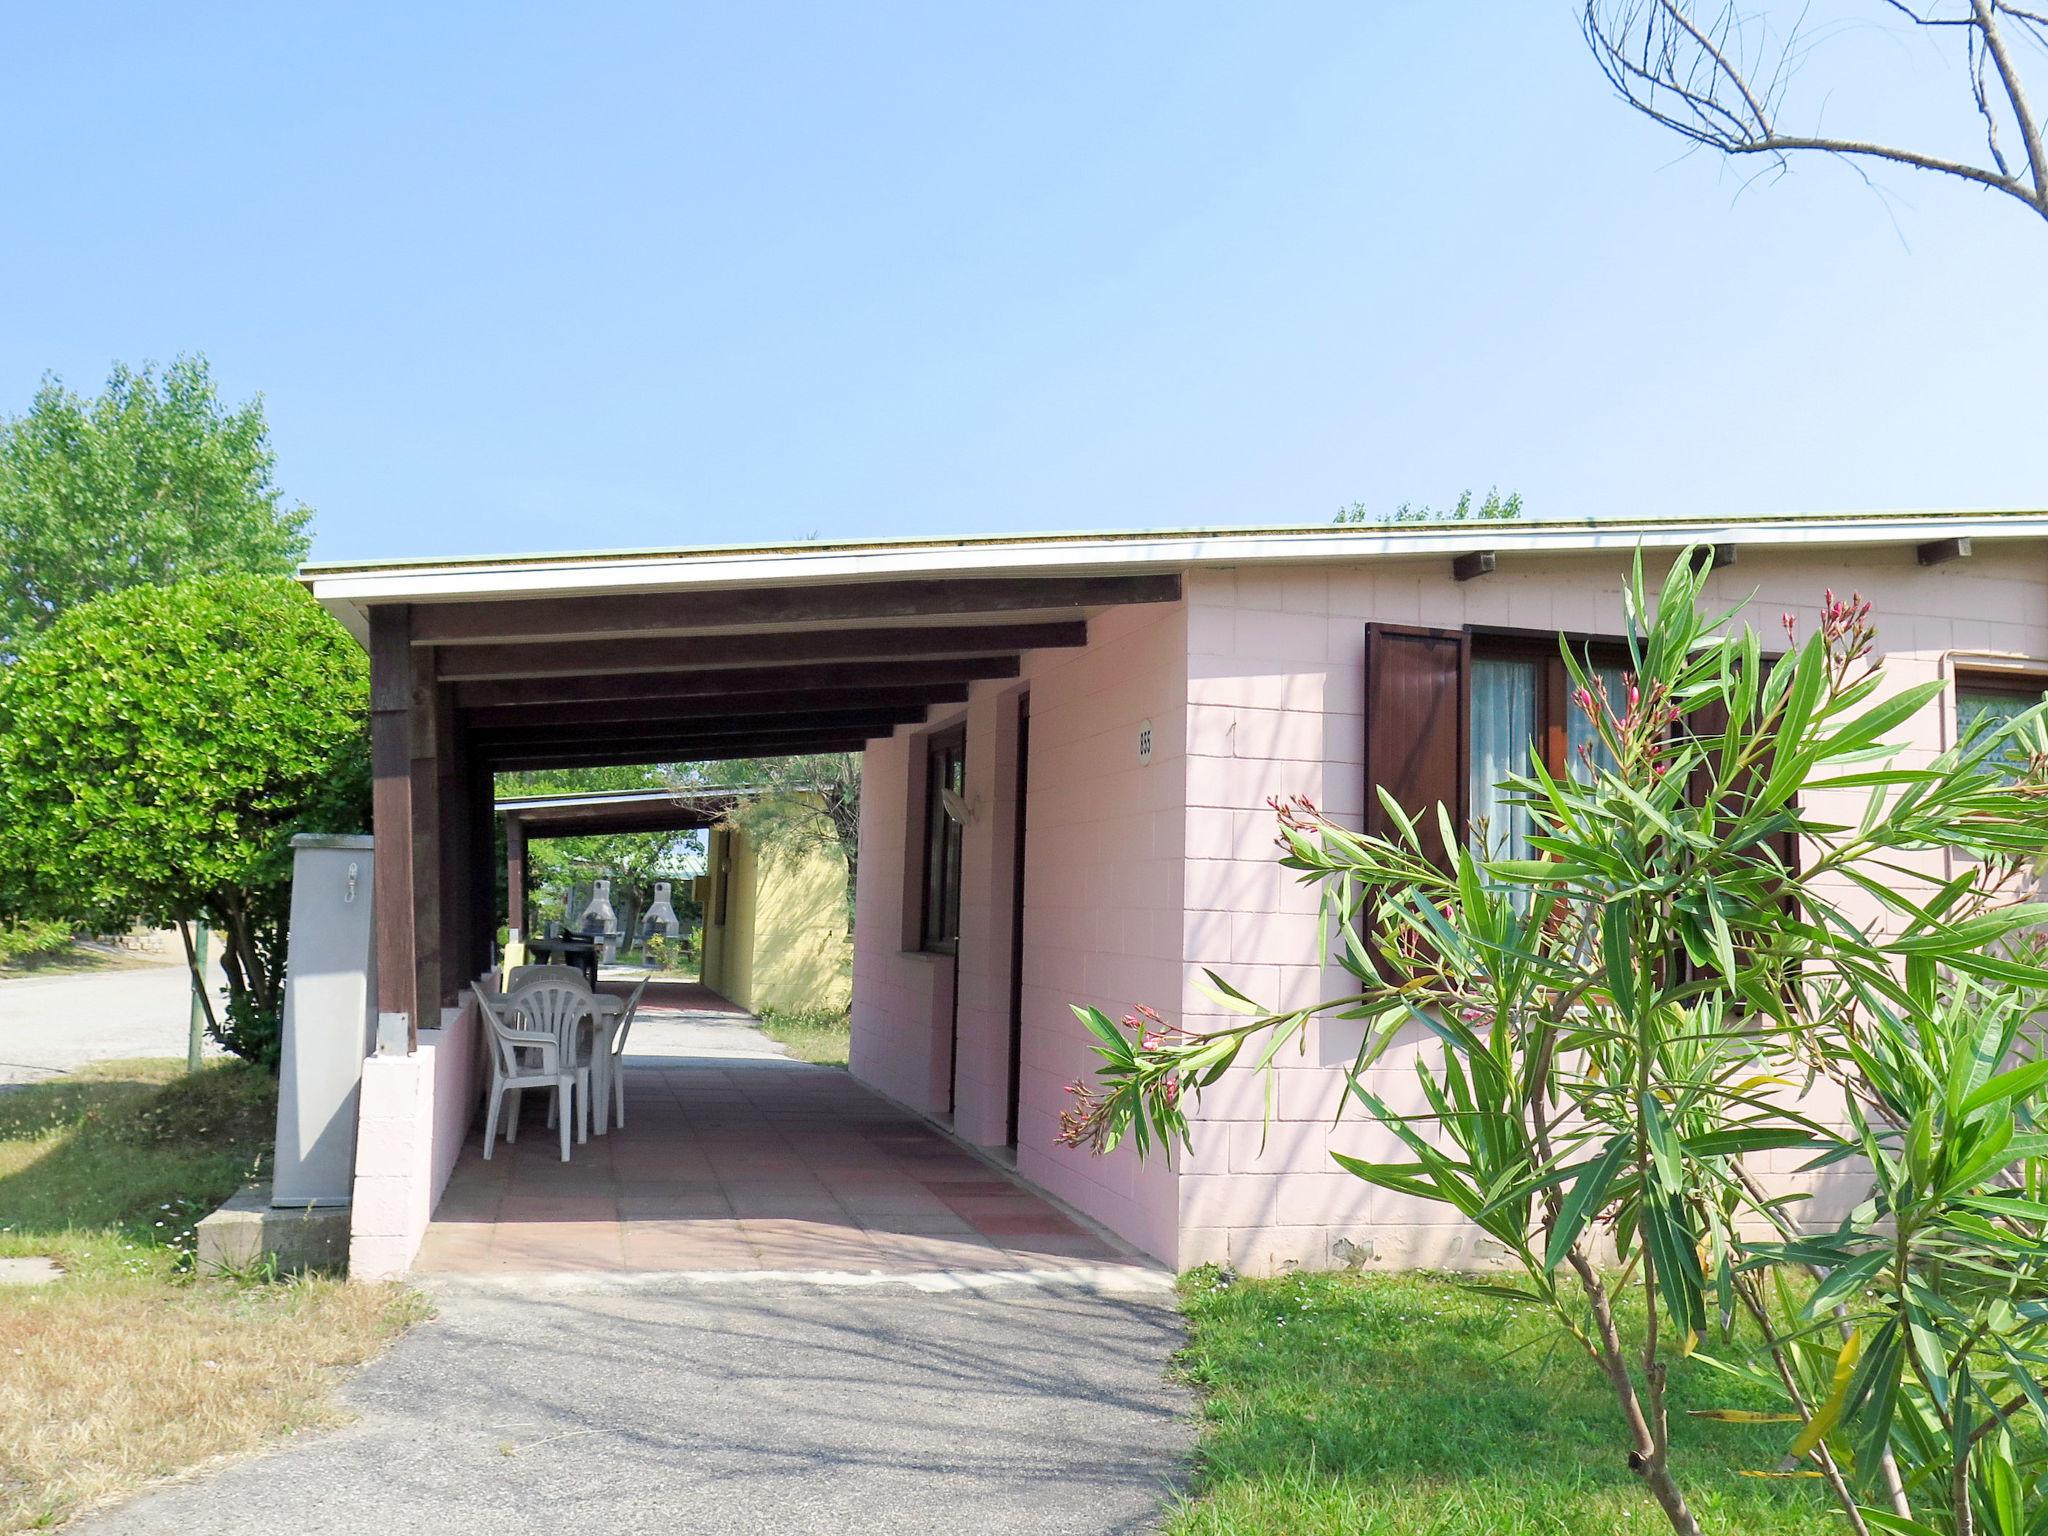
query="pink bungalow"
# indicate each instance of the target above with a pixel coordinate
(1070, 745)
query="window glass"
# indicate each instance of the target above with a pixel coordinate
(1999, 704)
(946, 769)
(1504, 697)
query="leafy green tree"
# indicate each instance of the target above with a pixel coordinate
(804, 804)
(154, 480)
(1619, 1025)
(158, 749)
(1495, 508)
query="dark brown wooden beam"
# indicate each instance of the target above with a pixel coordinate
(731, 682)
(391, 690)
(433, 746)
(1473, 564)
(1941, 551)
(749, 706)
(592, 738)
(581, 743)
(762, 747)
(515, 875)
(673, 820)
(474, 663)
(1713, 557)
(553, 619)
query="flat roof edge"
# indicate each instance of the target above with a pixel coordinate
(1107, 553)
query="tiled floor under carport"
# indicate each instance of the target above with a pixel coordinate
(735, 1158)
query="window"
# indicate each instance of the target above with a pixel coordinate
(1996, 696)
(1449, 714)
(1521, 709)
(945, 769)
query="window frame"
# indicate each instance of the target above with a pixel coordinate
(1553, 684)
(2026, 681)
(944, 844)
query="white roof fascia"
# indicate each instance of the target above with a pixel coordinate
(347, 590)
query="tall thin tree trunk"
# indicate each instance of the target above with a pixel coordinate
(1646, 1458)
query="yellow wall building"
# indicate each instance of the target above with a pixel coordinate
(775, 925)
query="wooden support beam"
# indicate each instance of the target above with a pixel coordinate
(474, 663)
(1713, 557)
(759, 747)
(644, 614)
(650, 821)
(1941, 551)
(483, 868)
(746, 706)
(391, 715)
(457, 889)
(515, 873)
(430, 733)
(865, 724)
(732, 682)
(1473, 563)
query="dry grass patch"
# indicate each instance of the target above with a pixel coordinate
(107, 1386)
(130, 1368)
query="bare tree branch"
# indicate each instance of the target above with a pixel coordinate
(1711, 77)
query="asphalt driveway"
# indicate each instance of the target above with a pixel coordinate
(52, 1024)
(607, 1407)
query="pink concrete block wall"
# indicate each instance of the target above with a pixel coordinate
(1275, 707)
(901, 999)
(1103, 910)
(414, 1121)
(1104, 857)
(1141, 877)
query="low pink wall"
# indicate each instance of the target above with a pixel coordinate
(416, 1111)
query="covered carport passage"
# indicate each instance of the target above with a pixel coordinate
(507, 671)
(600, 813)
(537, 665)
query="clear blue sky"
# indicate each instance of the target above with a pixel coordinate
(539, 277)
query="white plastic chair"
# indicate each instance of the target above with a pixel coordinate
(511, 1075)
(613, 1090)
(558, 1009)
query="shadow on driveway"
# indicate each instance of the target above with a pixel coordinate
(782, 1409)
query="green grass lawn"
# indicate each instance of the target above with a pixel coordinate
(130, 1367)
(1401, 1405)
(820, 1035)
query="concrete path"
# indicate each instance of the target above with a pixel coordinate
(56, 1024)
(600, 1409)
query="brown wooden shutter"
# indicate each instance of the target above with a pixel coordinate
(1416, 727)
(1710, 721)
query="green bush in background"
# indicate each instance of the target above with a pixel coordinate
(158, 749)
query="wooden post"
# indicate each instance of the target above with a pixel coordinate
(483, 867)
(452, 790)
(427, 826)
(391, 758)
(1473, 564)
(515, 874)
